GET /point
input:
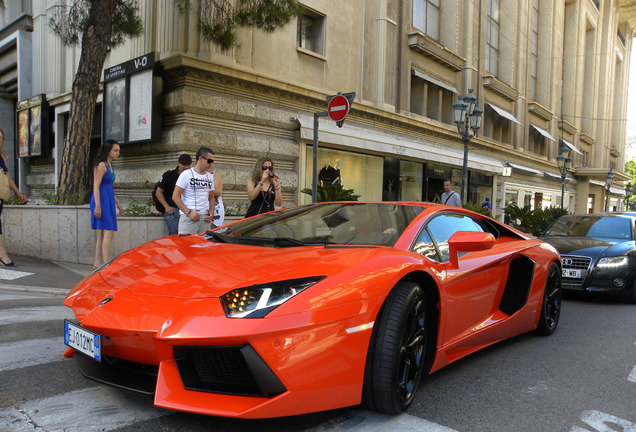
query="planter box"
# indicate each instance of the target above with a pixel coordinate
(63, 233)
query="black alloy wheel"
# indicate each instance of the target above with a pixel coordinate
(551, 307)
(397, 351)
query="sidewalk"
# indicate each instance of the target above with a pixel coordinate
(42, 276)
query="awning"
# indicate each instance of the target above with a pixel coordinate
(435, 81)
(617, 191)
(503, 113)
(570, 146)
(369, 139)
(549, 174)
(524, 168)
(543, 132)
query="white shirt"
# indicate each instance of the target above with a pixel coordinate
(196, 190)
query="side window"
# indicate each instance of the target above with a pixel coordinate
(444, 226)
(424, 246)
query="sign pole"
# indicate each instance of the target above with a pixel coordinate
(314, 187)
(337, 109)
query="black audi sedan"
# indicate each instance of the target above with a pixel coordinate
(598, 252)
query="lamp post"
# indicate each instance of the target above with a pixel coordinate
(564, 162)
(608, 184)
(468, 120)
(628, 195)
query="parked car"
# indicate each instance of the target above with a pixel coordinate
(310, 308)
(598, 252)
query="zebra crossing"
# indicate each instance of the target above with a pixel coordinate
(94, 408)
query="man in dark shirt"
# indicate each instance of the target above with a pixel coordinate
(165, 188)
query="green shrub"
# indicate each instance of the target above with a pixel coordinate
(333, 193)
(140, 209)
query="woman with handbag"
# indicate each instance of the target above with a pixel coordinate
(6, 183)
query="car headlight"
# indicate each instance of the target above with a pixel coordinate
(612, 262)
(256, 301)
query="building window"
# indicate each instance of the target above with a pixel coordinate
(426, 17)
(496, 125)
(584, 159)
(311, 32)
(431, 97)
(536, 143)
(534, 47)
(492, 37)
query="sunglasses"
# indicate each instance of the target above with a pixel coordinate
(265, 168)
(210, 161)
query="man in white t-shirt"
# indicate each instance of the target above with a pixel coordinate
(450, 197)
(194, 195)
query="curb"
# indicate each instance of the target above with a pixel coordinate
(57, 292)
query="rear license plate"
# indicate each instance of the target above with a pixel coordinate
(571, 273)
(84, 341)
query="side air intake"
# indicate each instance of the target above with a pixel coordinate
(518, 285)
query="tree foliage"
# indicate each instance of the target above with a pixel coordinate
(218, 19)
(70, 22)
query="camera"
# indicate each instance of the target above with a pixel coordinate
(270, 174)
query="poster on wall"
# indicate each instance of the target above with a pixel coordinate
(132, 101)
(23, 133)
(33, 126)
(35, 131)
(140, 110)
(115, 104)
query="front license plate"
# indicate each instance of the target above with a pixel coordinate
(571, 273)
(84, 341)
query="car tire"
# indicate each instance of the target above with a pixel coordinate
(551, 304)
(397, 350)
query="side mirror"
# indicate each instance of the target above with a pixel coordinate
(468, 241)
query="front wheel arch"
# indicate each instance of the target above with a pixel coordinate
(401, 347)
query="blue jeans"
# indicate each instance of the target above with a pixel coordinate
(172, 220)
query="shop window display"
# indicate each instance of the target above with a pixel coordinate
(362, 173)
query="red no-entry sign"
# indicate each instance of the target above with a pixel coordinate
(338, 108)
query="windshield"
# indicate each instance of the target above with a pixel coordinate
(378, 224)
(600, 227)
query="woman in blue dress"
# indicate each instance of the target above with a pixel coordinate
(104, 203)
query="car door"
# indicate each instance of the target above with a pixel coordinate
(470, 293)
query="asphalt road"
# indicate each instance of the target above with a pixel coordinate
(583, 378)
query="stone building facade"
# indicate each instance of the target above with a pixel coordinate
(546, 73)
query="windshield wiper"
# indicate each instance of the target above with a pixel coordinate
(216, 236)
(288, 241)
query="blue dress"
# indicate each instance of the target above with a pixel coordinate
(108, 220)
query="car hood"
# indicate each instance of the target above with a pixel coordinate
(587, 246)
(200, 268)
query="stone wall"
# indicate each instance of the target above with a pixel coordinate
(63, 233)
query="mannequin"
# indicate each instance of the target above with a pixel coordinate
(328, 175)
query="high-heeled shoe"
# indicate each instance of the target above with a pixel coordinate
(7, 264)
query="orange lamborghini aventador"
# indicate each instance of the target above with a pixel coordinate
(310, 308)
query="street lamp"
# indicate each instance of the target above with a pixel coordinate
(564, 162)
(608, 184)
(468, 120)
(628, 194)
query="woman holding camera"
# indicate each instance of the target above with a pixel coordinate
(263, 188)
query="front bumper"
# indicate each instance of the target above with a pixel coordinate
(203, 362)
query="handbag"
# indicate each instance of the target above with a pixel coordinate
(4, 186)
